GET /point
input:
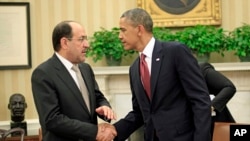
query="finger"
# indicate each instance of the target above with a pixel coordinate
(99, 110)
(107, 135)
(106, 111)
(109, 113)
(114, 116)
(112, 130)
(111, 135)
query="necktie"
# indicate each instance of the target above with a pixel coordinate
(145, 77)
(82, 85)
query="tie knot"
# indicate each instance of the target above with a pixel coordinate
(143, 56)
(75, 68)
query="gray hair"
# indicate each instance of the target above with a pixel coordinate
(138, 16)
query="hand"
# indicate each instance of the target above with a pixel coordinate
(106, 112)
(212, 108)
(106, 132)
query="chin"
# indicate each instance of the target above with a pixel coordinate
(82, 60)
(127, 48)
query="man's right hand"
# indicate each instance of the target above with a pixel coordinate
(106, 132)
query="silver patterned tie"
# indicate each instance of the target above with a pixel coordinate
(82, 85)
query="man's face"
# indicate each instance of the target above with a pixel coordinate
(17, 105)
(128, 35)
(77, 45)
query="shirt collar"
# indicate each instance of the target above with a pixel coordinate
(148, 50)
(65, 62)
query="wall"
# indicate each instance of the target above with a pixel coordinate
(44, 15)
(93, 14)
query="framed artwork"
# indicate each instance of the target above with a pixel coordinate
(15, 44)
(180, 13)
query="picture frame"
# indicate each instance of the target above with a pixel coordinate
(15, 42)
(170, 13)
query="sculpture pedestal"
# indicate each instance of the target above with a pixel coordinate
(22, 125)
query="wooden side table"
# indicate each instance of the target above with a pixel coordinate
(26, 138)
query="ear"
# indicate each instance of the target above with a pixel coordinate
(140, 29)
(9, 106)
(64, 42)
(25, 105)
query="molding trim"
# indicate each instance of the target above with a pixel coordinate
(242, 66)
(121, 70)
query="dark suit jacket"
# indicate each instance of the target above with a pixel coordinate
(223, 90)
(62, 112)
(180, 105)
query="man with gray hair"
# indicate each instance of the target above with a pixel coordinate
(169, 95)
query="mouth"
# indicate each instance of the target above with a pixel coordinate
(84, 51)
(123, 43)
(18, 111)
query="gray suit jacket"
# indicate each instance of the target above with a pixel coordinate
(63, 114)
(180, 105)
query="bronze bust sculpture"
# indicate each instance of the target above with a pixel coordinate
(17, 106)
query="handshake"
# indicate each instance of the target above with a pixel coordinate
(106, 132)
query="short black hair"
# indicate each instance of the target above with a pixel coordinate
(139, 16)
(63, 29)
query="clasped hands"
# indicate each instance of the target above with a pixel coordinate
(106, 131)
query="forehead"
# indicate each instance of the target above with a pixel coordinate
(77, 29)
(17, 98)
(125, 23)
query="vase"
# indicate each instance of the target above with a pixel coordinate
(245, 58)
(201, 58)
(111, 61)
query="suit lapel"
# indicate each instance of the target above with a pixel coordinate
(155, 68)
(64, 75)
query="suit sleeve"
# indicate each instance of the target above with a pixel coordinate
(195, 89)
(219, 85)
(132, 121)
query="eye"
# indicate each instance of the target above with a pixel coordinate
(80, 39)
(83, 38)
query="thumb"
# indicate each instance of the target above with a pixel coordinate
(99, 110)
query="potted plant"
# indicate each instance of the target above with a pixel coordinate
(203, 40)
(239, 41)
(163, 34)
(106, 43)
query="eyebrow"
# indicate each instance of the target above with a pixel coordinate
(84, 36)
(122, 29)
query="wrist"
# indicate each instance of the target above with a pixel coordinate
(212, 108)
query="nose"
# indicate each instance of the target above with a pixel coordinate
(120, 36)
(86, 43)
(18, 105)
